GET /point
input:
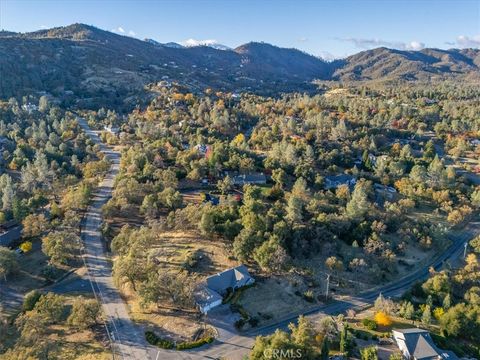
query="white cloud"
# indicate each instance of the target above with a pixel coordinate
(193, 42)
(363, 43)
(415, 45)
(465, 41)
(121, 30)
(302, 39)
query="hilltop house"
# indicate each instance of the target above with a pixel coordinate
(253, 179)
(417, 344)
(332, 182)
(210, 294)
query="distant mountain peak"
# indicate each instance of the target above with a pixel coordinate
(209, 43)
(95, 62)
(173, 45)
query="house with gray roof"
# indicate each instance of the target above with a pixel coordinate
(233, 279)
(253, 179)
(9, 236)
(334, 181)
(210, 294)
(206, 299)
(417, 344)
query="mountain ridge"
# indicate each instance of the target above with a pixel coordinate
(95, 63)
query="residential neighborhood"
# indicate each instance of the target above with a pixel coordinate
(248, 180)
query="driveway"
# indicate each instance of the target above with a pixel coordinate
(223, 319)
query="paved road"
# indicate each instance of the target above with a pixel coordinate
(127, 338)
(237, 346)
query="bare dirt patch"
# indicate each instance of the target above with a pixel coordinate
(178, 250)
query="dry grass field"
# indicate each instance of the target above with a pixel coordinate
(276, 297)
(177, 251)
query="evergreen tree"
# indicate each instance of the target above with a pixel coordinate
(358, 205)
(344, 340)
(325, 349)
(447, 302)
(427, 315)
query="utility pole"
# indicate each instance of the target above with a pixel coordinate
(328, 284)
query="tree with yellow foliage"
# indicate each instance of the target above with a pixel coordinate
(26, 246)
(383, 319)
(238, 140)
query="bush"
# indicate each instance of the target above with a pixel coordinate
(369, 324)
(195, 344)
(308, 296)
(167, 344)
(155, 340)
(30, 300)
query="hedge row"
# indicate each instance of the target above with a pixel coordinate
(195, 344)
(167, 344)
(155, 340)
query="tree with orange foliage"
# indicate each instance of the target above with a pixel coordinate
(382, 319)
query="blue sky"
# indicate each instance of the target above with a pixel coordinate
(323, 28)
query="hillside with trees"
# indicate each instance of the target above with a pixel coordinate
(90, 67)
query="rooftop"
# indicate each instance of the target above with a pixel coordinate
(421, 346)
(231, 278)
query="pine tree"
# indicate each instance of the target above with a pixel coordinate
(409, 311)
(358, 206)
(344, 343)
(429, 301)
(427, 315)
(447, 302)
(325, 349)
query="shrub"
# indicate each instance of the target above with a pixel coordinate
(308, 296)
(30, 300)
(195, 344)
(369, 324)
(155, 340)
(369, 353)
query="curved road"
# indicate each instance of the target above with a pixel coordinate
(128, 337)
(235, 347)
